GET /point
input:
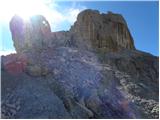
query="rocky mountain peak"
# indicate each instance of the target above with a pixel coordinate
(102, 31)
(91, 31)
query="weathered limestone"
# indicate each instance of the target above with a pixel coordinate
(102, 31)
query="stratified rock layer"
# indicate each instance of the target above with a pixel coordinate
(91, 71)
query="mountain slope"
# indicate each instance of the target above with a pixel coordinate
(91, 71)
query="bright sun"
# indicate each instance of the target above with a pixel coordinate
(23, 8)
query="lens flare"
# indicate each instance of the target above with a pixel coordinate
(23, 8)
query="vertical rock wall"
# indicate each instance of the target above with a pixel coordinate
(108, 31)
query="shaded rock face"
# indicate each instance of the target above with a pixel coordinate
(81, 73)
(142, 83)
(74, 84)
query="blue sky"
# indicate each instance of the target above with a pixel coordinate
(142, 19)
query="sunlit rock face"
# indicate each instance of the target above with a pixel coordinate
(108, 32)
(31, 33)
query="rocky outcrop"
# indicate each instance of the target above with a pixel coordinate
(91, 31)
(102, 31)
(31, 34)
(91, 71)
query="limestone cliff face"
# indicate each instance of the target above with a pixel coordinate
(102, 31)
